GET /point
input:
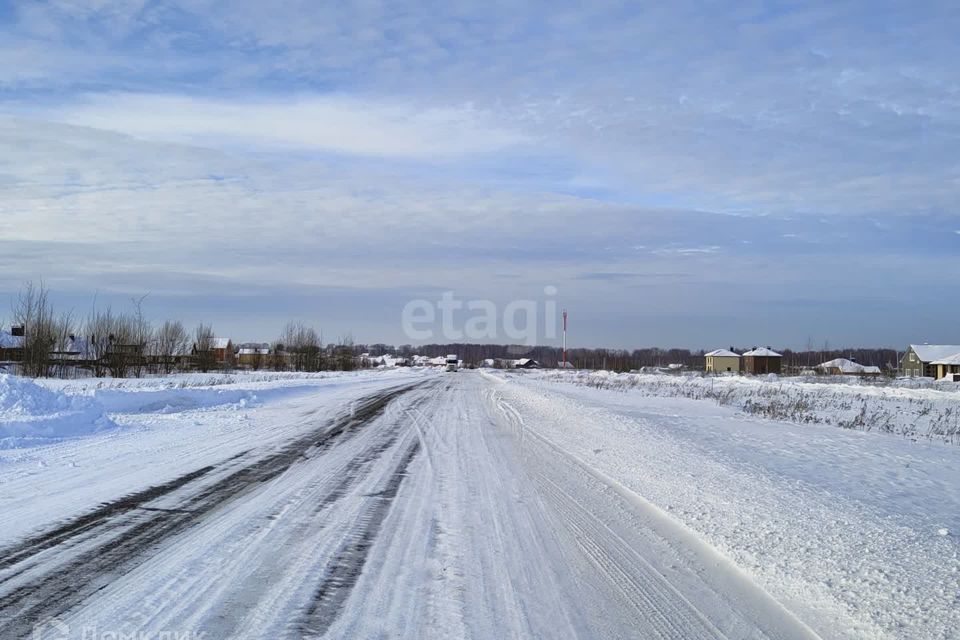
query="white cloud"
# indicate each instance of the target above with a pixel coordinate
(331, 123)
(819, 109)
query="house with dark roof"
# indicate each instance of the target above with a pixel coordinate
(762, 360)
(11, 345)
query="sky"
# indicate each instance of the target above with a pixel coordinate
(691, 174)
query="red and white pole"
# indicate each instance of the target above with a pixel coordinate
(564, 338)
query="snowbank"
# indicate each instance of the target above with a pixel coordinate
(187, 381)
(34, 412)
(31, 414)
(911, 412)
(189, 391)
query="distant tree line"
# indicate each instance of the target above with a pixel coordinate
(125, 343)
(628, 360)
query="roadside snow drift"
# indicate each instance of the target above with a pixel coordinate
(31, 414)
(50, 410)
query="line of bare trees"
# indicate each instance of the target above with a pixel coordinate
(126, 344)
(301, 348)
(106, 342)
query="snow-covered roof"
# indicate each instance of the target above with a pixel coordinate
(954, 359)
(848, 366)
(723, 353)
(763, 352)
(10, 341)
(220, 343)
(931, 352)
(255, 351)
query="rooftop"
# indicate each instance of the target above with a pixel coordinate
(763, 352)
(723, 353)
(931, 352)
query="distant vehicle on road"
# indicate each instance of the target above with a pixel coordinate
(452, 362)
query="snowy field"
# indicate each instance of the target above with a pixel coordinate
(916, 408)
(416, 504)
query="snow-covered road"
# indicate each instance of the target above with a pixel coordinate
(394, 506)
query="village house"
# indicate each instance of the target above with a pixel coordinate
(526, 363)
(947, 368)
(723, 361)
(222, 349)
(918, 361)
(255, 356)
(762, 361)
(11, 345)
(845, 367)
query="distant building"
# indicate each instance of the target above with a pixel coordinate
(723, 360)
(11, 345)
(253, 355)
(844, 367)
(919, 358)
(761, 361)
(526, 363)
(947, 368)
(222, 349)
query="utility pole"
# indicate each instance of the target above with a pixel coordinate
(564, 338)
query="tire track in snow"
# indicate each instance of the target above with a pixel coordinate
(92, 520)
(67, 583)
(304, 535)
(668, 613)
(624, 563)
(345, 568)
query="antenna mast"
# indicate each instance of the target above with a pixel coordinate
(564, 338)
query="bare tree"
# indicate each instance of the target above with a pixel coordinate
(112, 342)
(97, 330)
(170, 344)
(302, 343)
(343, 356)
(203, 348)
(229, 357)
(123, 350)
(63, 344)
(142, 337)
(278, 356)
(32, 310)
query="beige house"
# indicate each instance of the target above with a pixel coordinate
(947, 367)
(723, 361)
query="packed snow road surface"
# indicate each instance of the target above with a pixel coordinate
(418, 506)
